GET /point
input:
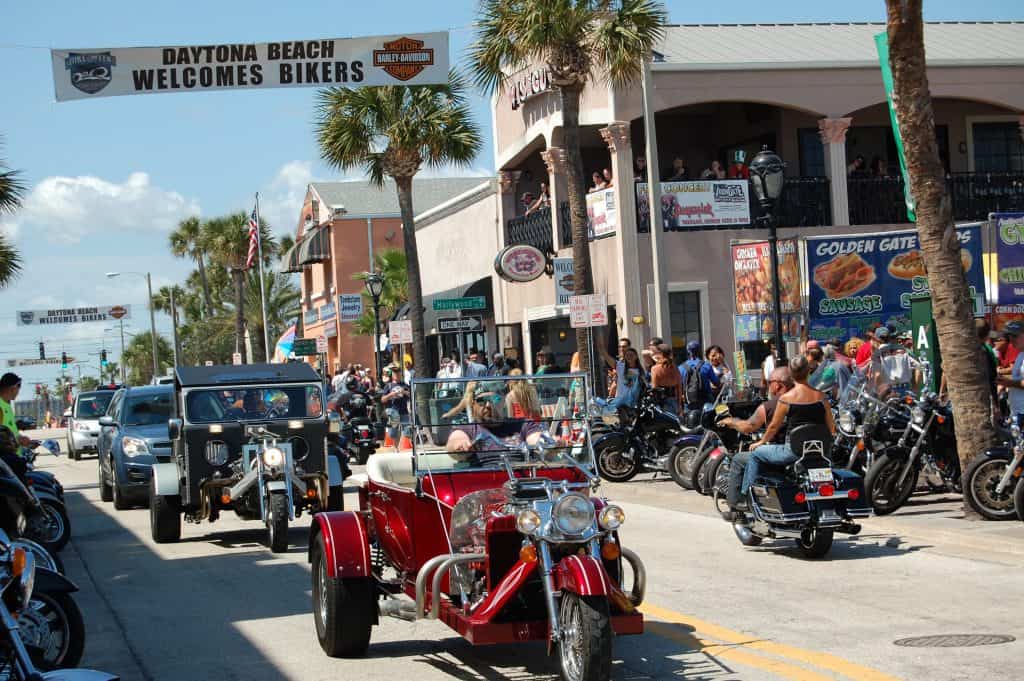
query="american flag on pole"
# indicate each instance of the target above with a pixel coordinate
(254, 236)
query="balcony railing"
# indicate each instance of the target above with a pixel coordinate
(533, 229)
(875, 201)
(805, 202)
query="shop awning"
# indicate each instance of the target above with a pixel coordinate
(315, 247)
(290, 259)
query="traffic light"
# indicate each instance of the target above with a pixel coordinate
(42, 350)
(103, 358)
(63, 360)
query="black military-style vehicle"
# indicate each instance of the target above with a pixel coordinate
(251, 439)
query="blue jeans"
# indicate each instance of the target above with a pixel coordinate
(778, 455)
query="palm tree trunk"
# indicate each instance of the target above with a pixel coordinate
(412, 261)
(583, 278)
(239, 277)
(951, 302)
(207, 300)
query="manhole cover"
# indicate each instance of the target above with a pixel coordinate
(955, 641)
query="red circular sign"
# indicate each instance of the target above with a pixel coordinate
(520, 263)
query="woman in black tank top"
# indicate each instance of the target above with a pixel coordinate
(801, 405)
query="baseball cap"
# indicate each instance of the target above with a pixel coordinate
(1013, 328)
(882, 332)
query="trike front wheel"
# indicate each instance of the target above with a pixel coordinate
(277, 523)
(585, 649)
(344, 609)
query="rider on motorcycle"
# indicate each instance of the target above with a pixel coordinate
(779, 382)
(343, 403)
(799, 406)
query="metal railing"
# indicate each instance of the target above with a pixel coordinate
(879, 200)
(533, 229)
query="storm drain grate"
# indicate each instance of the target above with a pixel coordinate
(954, 641)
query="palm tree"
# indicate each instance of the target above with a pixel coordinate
(186, 242)
(11, 192)
(576, 40)
(226, 240)
(138, 357)
(951, 300)
(283, 306)
(392, 264)
(393, 131)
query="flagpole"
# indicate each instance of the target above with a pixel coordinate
(263, 294)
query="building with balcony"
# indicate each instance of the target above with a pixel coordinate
(813, 93)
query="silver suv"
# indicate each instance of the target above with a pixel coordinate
(84, 423)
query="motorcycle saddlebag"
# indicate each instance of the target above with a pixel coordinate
(847, 480)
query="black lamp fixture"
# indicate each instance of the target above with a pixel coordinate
(767, 178)
(375, 287)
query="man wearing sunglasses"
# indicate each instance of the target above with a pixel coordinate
(466, 444)
(779, 382)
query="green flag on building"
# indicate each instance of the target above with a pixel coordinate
(882, 43)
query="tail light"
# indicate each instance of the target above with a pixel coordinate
(715, 453)
(853, 494)
(800, 498)
(826, 490)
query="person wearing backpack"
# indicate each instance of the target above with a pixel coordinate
(694, 395)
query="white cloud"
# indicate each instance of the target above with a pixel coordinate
(66, 209)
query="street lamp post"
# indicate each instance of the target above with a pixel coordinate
(152, 316)
(375, 287)
(767, 176)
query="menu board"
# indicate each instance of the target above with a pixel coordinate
(858, 280)
(752, 276)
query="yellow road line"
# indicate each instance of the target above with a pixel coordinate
(823, 660)
(734, 654)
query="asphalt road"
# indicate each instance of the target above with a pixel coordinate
(219, 606)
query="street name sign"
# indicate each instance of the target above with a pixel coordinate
(400, 332)
(304, 347)
(470, 303)
(463, 324)
(36, 362)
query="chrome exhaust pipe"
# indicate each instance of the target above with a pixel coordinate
(435, 584)
(421, 581)
(743, 533)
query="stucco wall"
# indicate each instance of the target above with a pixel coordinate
(460, 248)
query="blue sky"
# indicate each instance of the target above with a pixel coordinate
(111, 176)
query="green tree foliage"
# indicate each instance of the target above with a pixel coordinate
(12, 189)
(391, 264)
(138, 358)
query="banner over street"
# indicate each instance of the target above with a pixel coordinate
(73, 315)
(410, 59)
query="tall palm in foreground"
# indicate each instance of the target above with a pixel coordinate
(578, 41)
(951, 301)
(11, 192)
(186, 242)
(392, 131)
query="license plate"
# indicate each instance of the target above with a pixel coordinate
(820, 474)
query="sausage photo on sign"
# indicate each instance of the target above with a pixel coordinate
(844, 275)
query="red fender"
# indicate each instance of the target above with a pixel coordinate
(583, 575)
(346, 543)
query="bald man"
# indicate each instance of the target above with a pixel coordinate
(779, 381)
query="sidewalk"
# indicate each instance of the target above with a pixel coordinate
(935, 520)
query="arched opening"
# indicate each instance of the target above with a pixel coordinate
(981, 148)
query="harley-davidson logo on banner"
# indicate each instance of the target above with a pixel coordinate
(73, 315)
(415, 59)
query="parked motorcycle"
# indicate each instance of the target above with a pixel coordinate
(808, 500)
(42, 633)
(636, 439)
(928, 445)
(34, 514)
(993, 477)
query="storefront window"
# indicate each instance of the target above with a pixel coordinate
(685, 319)
(998, 148)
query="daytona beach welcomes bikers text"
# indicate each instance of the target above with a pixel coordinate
(206, 66)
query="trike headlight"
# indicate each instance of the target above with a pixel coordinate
(273, 457)
(611, 517)
(573, 514)
(528, 521)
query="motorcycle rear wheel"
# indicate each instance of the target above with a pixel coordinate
(815, 543)
(983, 475)
(680, 465)
(613, 466)
(879, 484)
(585, 650)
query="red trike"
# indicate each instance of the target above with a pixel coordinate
(496, 531)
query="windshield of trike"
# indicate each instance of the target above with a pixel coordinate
(476, 422)
(253, 403)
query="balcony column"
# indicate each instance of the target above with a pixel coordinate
(628, 298)
(558, 186)
(833, 137)
(508, 183)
